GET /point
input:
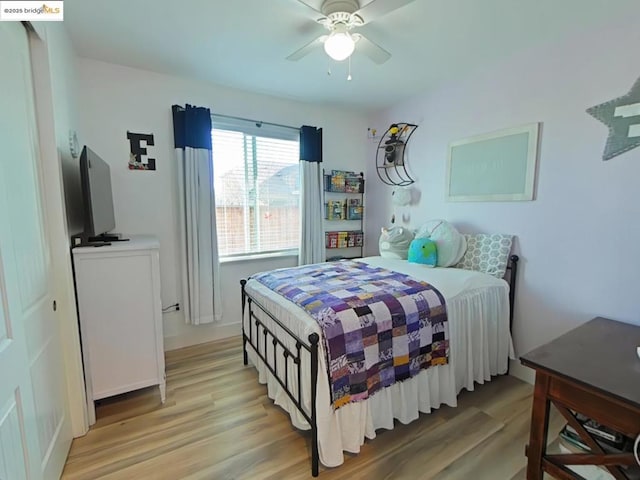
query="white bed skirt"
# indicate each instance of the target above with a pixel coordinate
(480, 345)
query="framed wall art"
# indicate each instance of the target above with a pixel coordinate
(498, 166)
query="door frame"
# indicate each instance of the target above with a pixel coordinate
(56, 220)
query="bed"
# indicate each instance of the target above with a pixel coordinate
(284, 343)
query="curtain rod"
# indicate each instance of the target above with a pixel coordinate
(258, 123)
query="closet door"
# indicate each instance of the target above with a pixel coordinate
(35, 432)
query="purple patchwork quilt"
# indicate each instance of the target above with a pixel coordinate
(379, 326)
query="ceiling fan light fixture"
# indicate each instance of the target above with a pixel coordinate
(340, 45)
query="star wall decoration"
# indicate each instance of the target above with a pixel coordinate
(622, 116)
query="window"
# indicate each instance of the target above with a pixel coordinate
(257, 187)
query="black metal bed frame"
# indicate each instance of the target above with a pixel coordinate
(293, 356)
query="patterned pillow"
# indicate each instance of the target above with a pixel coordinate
(487, 253)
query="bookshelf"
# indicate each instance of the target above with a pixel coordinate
(343, 214)
(606, 439)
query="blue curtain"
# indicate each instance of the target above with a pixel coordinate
(310, 144)
(197, 213)
(191, 127)
(311, 208)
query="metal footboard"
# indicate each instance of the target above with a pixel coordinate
(259, 340)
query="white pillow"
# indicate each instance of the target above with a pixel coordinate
(450, 243)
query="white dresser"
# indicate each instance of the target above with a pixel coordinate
(118, 289)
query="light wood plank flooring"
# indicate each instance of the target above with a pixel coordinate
(218, 423)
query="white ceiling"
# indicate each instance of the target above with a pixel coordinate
(243, 43)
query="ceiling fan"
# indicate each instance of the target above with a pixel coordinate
(340, 17)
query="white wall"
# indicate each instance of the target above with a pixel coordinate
(577, 239)
(115, 99)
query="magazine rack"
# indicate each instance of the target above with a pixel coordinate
(344, 214)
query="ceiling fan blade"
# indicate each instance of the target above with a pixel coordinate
(372, 50)
(306, 4)
(378, 8)
(307, 49)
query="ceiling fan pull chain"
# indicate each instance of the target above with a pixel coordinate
(349, 74)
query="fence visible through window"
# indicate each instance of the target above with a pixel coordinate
(257, 192)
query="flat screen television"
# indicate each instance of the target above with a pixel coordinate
(95, 177)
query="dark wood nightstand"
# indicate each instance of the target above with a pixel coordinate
(593, 370)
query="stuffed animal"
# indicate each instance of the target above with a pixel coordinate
(391, 144)
(424, 251)
(401, 197)
(394, 242)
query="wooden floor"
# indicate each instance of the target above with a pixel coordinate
(218, 423)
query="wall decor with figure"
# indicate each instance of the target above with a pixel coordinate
(391, 164)
(138, 156)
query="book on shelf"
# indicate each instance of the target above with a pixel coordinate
(569, 434)
(337, 184)
(351, 239)
(573, 439)
(343, 173)
(331, 239)
(353, 185)
(335, 210)
(569, 445)
(343, 181)
(344, 239)
(601, 432)
(609, 441)
(354, 212)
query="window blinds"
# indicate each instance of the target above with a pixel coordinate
(257, 187)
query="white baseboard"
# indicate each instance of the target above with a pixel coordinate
(202, 334)
(518, 370)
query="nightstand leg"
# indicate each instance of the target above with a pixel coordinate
(539, 427)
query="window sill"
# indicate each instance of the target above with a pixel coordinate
(259, 256)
